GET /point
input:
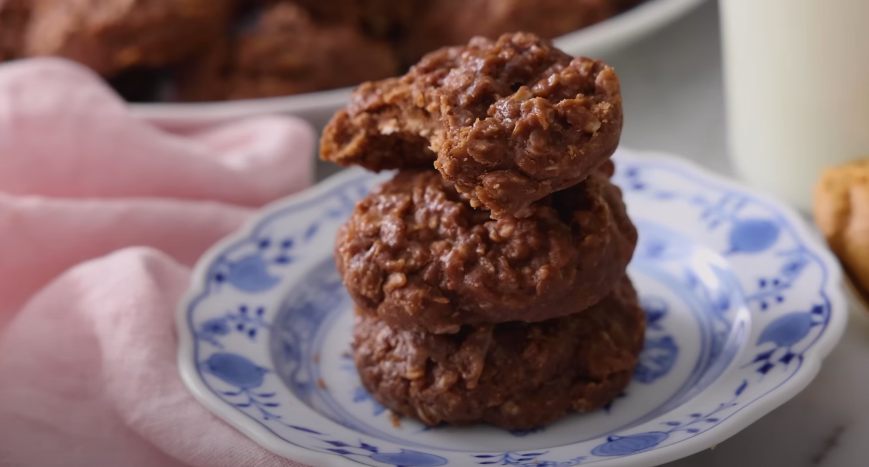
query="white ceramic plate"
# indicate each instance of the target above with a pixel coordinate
(742, 305)
(318, 107)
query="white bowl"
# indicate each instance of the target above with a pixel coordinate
(318, 107)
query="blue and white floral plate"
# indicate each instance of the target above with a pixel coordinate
(742, 305)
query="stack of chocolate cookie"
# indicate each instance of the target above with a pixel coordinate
(490, 287)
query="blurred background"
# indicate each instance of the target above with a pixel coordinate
(189, 63)
(214, 50)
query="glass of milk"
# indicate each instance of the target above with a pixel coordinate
(797, 84)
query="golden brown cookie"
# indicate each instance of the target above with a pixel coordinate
(842, 214)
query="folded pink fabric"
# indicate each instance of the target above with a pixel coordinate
(101, 218)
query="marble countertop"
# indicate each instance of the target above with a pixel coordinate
(674, 103)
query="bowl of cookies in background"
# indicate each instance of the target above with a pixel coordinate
(186, 62)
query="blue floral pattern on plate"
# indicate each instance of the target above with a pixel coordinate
(741, 303)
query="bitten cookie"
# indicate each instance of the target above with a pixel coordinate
(416, 255)
(512, 375)
(508, 121)
(842, 214)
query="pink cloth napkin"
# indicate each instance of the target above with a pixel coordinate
(101, 218)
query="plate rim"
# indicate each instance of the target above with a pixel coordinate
(735, 423)
(197, 286)
(816, 355)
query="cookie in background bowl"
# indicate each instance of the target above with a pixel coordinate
(14, 15)
(283, 52)
(113, 36)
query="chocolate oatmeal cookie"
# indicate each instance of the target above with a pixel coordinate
(114, 35)
(512, 375)
(285, 53)
(508, 121)
(416, 255)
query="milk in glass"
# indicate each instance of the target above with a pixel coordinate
(797, 83)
